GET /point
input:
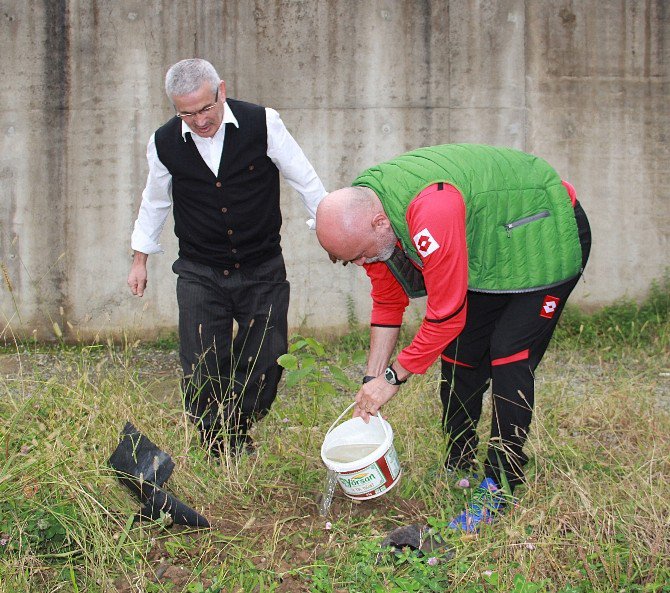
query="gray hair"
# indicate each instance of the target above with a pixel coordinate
(188, 76)
(359, 201)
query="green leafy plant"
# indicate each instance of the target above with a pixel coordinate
(306, 362)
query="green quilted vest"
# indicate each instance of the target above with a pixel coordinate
(520, 224)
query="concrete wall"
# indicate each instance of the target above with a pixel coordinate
(582, 84)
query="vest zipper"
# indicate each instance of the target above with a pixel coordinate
(517, 223)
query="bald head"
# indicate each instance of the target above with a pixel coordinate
(351, 225)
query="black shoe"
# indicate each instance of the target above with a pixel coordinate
(235, 445)
(242, 445)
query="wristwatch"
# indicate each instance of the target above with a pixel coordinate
(392, 377)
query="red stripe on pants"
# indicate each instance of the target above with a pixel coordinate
(523, 355)
(447, 359)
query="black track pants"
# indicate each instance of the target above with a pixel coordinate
(503, 341)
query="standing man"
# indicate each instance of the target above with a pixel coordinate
(497, 241)
(218, 162)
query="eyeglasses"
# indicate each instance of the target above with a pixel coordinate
(203, 110)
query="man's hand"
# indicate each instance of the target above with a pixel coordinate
(372, 396)
(137, 279)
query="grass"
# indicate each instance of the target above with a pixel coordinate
(622, 327)
(594, 516)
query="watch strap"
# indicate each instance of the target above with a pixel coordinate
(391, 376)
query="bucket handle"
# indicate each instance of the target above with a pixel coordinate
(386, 432)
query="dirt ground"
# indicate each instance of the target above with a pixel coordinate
(161, 370)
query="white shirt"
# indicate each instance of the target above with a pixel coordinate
(282, 149)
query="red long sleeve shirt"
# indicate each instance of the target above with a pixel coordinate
(436, 222)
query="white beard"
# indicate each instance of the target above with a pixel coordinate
(386, 247)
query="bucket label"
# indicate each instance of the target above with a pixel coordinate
(392, 461)
(362, 481)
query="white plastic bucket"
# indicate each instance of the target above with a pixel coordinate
(362, 455)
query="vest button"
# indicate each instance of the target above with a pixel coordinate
(237, 266)
(251, 167)
(224, 210)
(226, 272)
(234, 250)
(230, 232)
(218, 184)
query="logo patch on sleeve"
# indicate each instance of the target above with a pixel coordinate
(425, 244)
(549, 306)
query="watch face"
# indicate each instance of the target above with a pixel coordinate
(390, 376)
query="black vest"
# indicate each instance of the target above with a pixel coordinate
(233, 218)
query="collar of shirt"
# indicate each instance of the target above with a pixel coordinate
(228, 118)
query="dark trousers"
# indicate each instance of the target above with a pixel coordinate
(504, 338)
(231, 381)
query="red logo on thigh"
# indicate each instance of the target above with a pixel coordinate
(549, 306)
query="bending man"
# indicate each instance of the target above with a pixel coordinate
(497, 242)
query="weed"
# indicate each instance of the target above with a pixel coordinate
(592, 516)
(621, 326)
